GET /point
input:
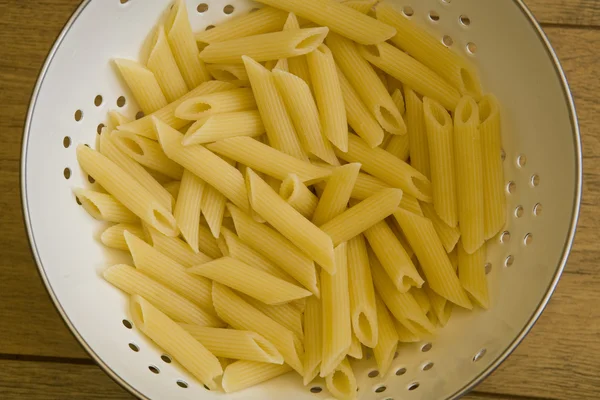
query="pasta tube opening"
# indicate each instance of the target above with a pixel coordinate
(437, 112)
(166, 222)
(132, 145)
(312, 41)
(467, 111)
(137, 313)
(89, 206)
(488, 108)
(424, 186)
(363, 328)
(340, 382)
(387, 117)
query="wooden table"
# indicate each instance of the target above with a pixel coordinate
(39, 359)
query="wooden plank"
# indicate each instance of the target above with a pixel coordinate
(568, 12)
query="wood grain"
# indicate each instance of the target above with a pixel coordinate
(572, 12)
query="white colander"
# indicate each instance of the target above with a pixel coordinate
(78, 86)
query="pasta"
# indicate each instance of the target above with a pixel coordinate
(266, 46)
(355, 350)
(187, 208)
(104, 207)
(126, 190)
(335, 196)
(471, 273)
(234, 344)
(362, 6)
(251, 281)
(387, 338)
(367, 185)
(186, 350)
(399, 146)
(417, 133)
(313, 339)
(297, 65)
(228, 72)
(223, 126)
(441, 149)
(143, 84)
(113, 236)
(177, 249)
(297, 195)
(213, 209)
(469, 174)
(244, 374)
(328, 95)
(341, 382)
(440, 306)
(199, 107)
(207, 243)
(285, 314)
(448, 236)
(164, 66)
(340, 19)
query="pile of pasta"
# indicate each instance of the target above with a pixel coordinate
(309, 179)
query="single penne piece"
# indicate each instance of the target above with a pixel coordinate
(367, 185)
(303, 110)
(494, 211)
(471, 273)
(355, 351)
(337, 327)
(277, 121)
(213, 209)
(164, 66)
(113, 236)
(173, 339)
(241, 375)
(266, 46)
(403, 306)
(363, 215)
(468, 158)
(297, 65)
(364, 79)
(336, 194)
(362, 6)
(143, 84)
(411, 204)
(222, 126)
(387, 338)
(234, 344)
(198, 107)
(289, 222)
(360, 118)
(388, 168)
(241, 315)
(275, 247)
(265, 159)
(233, 246)
(341, 19)
(313, 339)
(137, 172)
(263, 20)
(440, 305)
(187, 208)
(393, 257)
(284, 314)
(177, 307)
(448, 235)
(328, 95)
(228, 72)
(430, 51)
(145, 126)
(411, 73)
(147, 152)
(432, 257)
(251, 281)
(173, 275)
(399, 146)
(104, 207)
(439, 127)
(184, 47)
(207, 242)
(297, 195)
(362, 294)
(417, 133)
(209, 167)
(176, 248)
(126, 190)
(341, 383)
(398, 97)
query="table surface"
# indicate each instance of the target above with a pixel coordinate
(39, 359)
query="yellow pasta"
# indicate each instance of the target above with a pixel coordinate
(363, 78)
(234, 344)
(126, 190)
(313, 339)
(297, 65)
(362, 216)
(223, 126)
(241, 375)
(186, 350)
(341, 382)
(176, 248)
(343, 20)
(143, 84)
(469, 174)
(387, 338)
(399, 146)
(104, 207)
(297, 195)
(113, 236)
(195, 108)
(448, 235)
(422, 299)
(228, 72)
(362, 6)
(213, 209)
(355, 351)
(417, 133)
(164, 66)
(367, 185)
(441, 307)
(187, 208)
(494, 212)
(207, 242)
(335, 196)
(453, 257)
(439, 128)
(285, 314)
(471, 272)
(388, 168)
(398, 97)
(430, 51)
(328, 95)
(337, 327)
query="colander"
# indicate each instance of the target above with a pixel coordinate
(78, 86)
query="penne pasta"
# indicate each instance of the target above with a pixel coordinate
(234, 344)
(313, 339)
(355, 350)
(199, 107)
(362, 6)
(398, 97)
(422, 299)
(113, 236)
(266, 46)
(405, 335)
(328, 95)
(387, 338)
(180, 309)
(411, 73)
(341, 382)
(173, 339)
(207, 242)
(285, 314)
(223, 126)
(213, 209)
(289, 222)
(273, 246)
(399, 146)
(228, 72)
(417, 133)
(126, 190)
(297, 195)
(335, 196)
(494, 211)
(367, 185)
(143, 84)
(433, 259)
(471, 273)
(241, 375)
(439, 128)
(440, 306)
(363, 78)
(297, 65)
(362, 216)
(343, 20)
(164, 66)
(453, 257)
(104, 207)
(448, 236)
(187, 208)
(337, 327)
(469, 174)
(176, 248)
